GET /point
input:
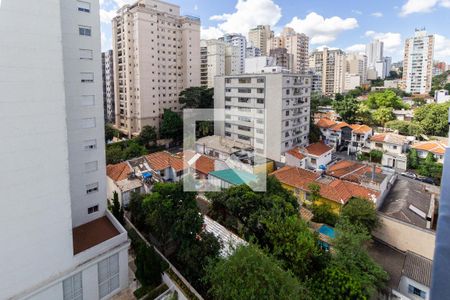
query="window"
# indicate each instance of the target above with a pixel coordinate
(415, 291)
(87, 77)
(84, 6)
(260, 101)
(88, 100)
(91, 166)
(92, 188)
(88, 123)
(85, 30)
(86, 54)
(93, 209)
(90, 145)
(73, 288)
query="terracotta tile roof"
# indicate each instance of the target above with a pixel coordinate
(162, 160)
(296, 153)
(325, 123)
(390, 138)
(435, 147)
(337, 190)
(203, 163)
(360, 128)
(339, 126)
(351, 170)
(318, 149)
(118, 171)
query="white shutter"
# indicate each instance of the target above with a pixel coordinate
(91, 166)
(86, 54)
(88, 100)
(84, 6)
(88, 123)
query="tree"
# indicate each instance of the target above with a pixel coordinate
(204, 128)
(114, 154)
(433, 118)
(347, 109)
(291, 241)
(387, 98)
(405, 127)
(413, 159)
(356, 92)
(323, 213)
(430, 168)
(148, 136)
(377, 82)
(338, 97)
(171, 126)
(133, 150)
(250, 274)
(314, 190)
(376, 156)
(137, 210)
(197, 97)
(149, 266)
(117, 209)
(110, 133)
(383, 115)
(361, 212)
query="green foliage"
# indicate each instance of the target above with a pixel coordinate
(153, 294)
(290, 241)
(197, 97)
(110, 132)
(117, 209)
(439, 82)
(377, 82)
(314, 132)
(347, 108)
(376, 156)
(137, 210)
(147, 136)
(204, 128)
(323, 213)
(171, 126)
(133, 150)
(405, 127)
(149, 266)
(361, 212)
(413, 159)
(393, 75)
(125, 150)
(114, 154)
(250, 274)
(383, 115)
(339, 97)
(430, 168)
(419, 101)
(387, 98)
(334, 284)
(314, 190)
(355, 93)
(433, 118)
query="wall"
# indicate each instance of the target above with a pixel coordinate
(403, 288)
(403, 236)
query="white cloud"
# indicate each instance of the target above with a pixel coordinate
(392, 41)
(320, 48)
(441, 48)
(422, 6)
(322, 30)
(377, 14)
(355, 11)
(248, 14)
(106, 42)
(195, 7)
(107, 15)
(211, 33)
(356, 48)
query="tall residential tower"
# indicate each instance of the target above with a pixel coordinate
(259, 36)
(108, 86)
(331, 64)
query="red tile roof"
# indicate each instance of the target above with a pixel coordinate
(118, 171)
(391, 138)
(325, 123)
(203, 164)
(350, 170)
(337, 190)
(162, 160)
(360, 128)
(318, 149)
(296, 153)
(435, 147)
(339, 126)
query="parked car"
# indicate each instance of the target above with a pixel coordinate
(409, 175)
(428, 180)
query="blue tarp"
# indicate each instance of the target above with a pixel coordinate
(147, 175)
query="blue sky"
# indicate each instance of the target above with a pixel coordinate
(345, 24)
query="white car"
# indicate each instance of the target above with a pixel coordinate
(409, 175)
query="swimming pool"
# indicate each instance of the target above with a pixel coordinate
(328, 231)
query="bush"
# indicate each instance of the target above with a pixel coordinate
(156, 292)
(323, 213)
(149, 266)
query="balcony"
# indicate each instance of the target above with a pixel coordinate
(98, 236)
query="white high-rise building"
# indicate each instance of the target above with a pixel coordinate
(374, 52)
(156, 56)
(356, 64)
(59, 240)
(259, 36)
(245, 98)
(238, 40)
(418, 63)
(331, 63)
(108, 86)
(252, 52)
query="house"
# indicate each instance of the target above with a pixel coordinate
(394, 148)
(334, 192)
(360, 136)
(404, 114)
(314, 156)
(218, 146)
(335, 134)
(168, 166)
(435, 147)
(224, 179)
(201, 164)
(120, 179)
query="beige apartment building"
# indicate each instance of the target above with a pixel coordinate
(156, 56)
(259, 36)
(356, 64)
(296, 44)
(331, 64)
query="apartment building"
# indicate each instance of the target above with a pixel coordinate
(259, 36)
(418, 63)
(282, 58)
(252, 52)
(246, 98)
(237, 40)
(108, 86)
(331, 63)
(356, 64)
(156, 56)
(60, 242)
(374, 52)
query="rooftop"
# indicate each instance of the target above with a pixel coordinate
(118, 171)
(436, 147)
(408, 201)
(317, 149)
(325, 123)
(221, 144)
(162, 160)
(361, 129)
(93, 233)
(229, 240)
(199, 162)
(417, 268)
(390, 138)
(236, 177)
(355, 172)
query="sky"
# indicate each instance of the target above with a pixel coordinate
(345, 24)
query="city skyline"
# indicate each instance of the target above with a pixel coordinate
(347, 26)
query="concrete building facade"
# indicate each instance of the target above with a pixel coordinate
(282, 58)
(60, 242)
(418, 63)
(237, 40)
(108, 86)
(356, 64)
(259, 36)
(245, 99)
(156, 56)
(331, 63)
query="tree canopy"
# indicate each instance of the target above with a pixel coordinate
(383, 115)
(361, 212)
(147, 136)
(405, 127)
(433, 118)
(197, 97)
(387, 98)
(347, 108)
(251, 274)
(171, 125)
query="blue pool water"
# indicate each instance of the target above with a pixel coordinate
(327, 230)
